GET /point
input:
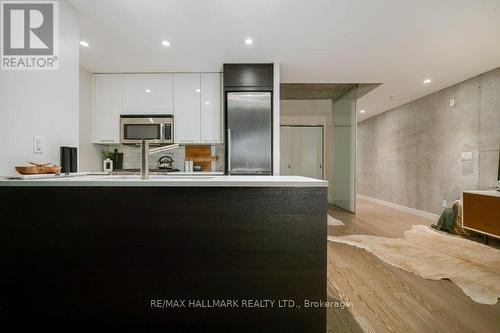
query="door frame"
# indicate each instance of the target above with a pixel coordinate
(322, 143)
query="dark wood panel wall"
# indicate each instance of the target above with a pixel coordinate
(87, 257)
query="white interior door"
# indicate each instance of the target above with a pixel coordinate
(302, 151)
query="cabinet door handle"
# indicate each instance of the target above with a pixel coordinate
(210, 141)
(107, 140)
(187, 141)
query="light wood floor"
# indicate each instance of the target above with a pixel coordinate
(388, 299)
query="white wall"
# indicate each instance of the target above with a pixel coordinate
(312, 112)
(90, 154)
(41, 103)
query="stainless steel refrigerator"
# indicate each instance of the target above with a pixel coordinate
(249, 133)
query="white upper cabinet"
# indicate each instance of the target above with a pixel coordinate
(193, 98)
(148, 94)
(187, 98)
(107, 108)
(211, 115)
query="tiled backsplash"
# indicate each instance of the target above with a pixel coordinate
(219, 151)
(132, 156)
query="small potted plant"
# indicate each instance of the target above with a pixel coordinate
(107, 164)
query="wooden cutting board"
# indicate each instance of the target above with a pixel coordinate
(200, 155)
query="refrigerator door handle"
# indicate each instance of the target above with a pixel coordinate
(228, 150)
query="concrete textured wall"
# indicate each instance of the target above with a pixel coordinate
(412, 155)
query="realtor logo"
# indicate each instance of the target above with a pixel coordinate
(29, 35)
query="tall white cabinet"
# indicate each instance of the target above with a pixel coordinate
(193, 98)
(107, 108)
(211, 114)
(197, 108)
(187, 107)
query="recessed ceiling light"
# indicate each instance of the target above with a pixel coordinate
(198, 89)
(84, 43)
(249, 41)
(207, 102)
(165, 43)
(362, 111)
(147, 90)
(427, 81)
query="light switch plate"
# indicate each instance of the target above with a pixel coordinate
(452, 102)
(467, 156)
(38, 145)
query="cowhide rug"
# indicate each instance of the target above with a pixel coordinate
(473, 267)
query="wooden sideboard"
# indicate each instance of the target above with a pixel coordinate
(481, 212)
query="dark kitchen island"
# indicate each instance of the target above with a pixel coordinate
(221, 253)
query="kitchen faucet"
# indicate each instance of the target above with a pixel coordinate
(145, 152)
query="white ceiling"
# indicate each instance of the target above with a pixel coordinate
(395, 42)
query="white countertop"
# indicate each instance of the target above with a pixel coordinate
(197, 173)
(178, 180)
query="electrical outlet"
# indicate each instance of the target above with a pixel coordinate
(445, 204)
(452, 102)
(37, 145)
(467, 156)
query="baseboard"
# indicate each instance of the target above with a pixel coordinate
(421, 213)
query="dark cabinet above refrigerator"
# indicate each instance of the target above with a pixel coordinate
(248, 76)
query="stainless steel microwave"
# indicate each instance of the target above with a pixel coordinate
(157, 129)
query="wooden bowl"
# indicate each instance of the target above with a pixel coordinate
(29, 170)
(38, 169)
(51, 169)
